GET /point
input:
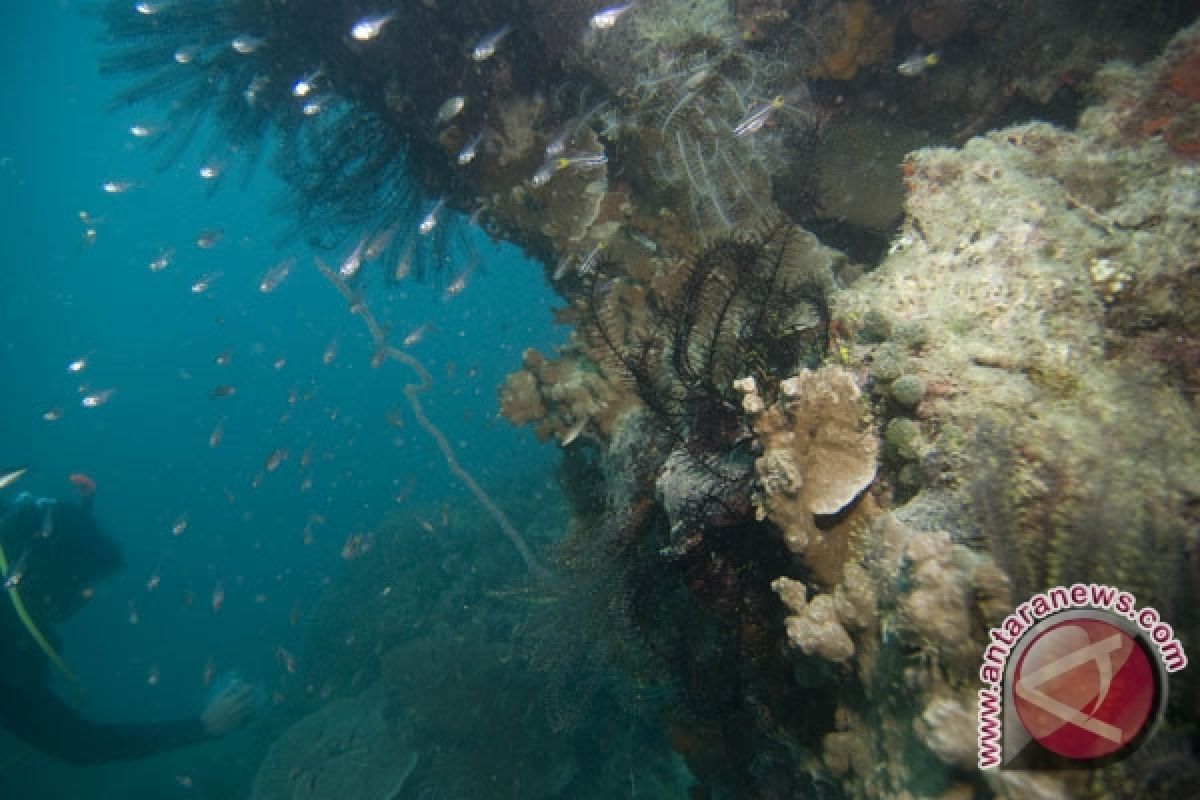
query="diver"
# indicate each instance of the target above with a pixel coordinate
(51, 555)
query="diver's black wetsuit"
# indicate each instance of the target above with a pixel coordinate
(30, 710)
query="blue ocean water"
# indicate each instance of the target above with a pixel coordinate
(142, 645)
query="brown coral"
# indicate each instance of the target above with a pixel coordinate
(823, 625)
(819, 452)
(564, 397)
(865, 38)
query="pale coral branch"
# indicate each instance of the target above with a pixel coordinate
(384, 351)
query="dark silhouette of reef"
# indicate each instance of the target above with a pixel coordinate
(685, 561)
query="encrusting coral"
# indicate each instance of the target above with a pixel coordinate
(1024, 260)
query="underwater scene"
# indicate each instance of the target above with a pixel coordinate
(572, 399)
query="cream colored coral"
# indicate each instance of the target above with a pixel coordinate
(937, 609)
(819, 451)
(819, 631)
(948, 727)
(820, 627)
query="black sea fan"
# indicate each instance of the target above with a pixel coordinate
(753, 305)
(355, 123)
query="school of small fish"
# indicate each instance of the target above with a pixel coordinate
(292, 457)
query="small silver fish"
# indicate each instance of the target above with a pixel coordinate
(187, 54)
(581, 161)
(208, 238)
(451, 109)
(163, 260)
(97, 398)
(316, 105)
(544, 173)
(9, 478)
(754, 121)
(352, 262)
(368, 28)
(380, 242)
(246, 44)
(404, 262)
(558, 143)
(251, 92)
(606, 18)
(276, 275)
(205, 282)
(485, 48)
(469, 150)
(457, 285)
(117, 187)
(14, 575)
(275, 458)
(416, 334)
(304, 86)
(431, 219)
(211, 170)
(917, 63)
(218, 433)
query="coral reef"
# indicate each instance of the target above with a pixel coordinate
(956, 443)
(999, 344)
(802, 489)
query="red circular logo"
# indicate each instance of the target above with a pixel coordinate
(1084, 688)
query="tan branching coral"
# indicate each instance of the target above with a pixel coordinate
(564, 397)
(819, 450)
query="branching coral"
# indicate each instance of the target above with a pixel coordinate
(564, 397)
